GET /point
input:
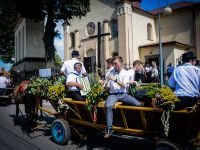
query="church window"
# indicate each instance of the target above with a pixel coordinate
(149, 32)
(72, 36)
(90, 28)
(114, 28)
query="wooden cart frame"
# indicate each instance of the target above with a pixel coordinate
(131, 120)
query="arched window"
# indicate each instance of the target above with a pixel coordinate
(114, 28)
(149, 32)
(72, 36)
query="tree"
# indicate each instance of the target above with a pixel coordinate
(7, 22)
(51, 11)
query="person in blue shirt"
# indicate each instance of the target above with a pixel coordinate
(170, 69)
(185, 80)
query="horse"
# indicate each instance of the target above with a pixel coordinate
(31, 103)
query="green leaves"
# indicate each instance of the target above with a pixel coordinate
(48, 89)
(95, 94)
(49, 11)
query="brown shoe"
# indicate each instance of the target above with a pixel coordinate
(108, 133)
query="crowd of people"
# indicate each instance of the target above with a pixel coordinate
(184, 79)
(4, 81)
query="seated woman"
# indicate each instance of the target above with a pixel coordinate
(72, 83)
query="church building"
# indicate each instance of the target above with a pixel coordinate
(122, 26)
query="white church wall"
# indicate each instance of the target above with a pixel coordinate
(139, 26)
(100, 10)
(113, 45)
(178, 27)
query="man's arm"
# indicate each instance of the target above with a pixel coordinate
(75, 84)
(171, 81)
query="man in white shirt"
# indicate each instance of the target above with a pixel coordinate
(118, 80)
(109, 66)
(137, 67)
(68, 65)
(3, 83)
(185, 80)
(72, 83)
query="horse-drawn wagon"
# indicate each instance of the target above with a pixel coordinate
(184, 128)
(138, 121)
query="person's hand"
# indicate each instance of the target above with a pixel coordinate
(79, 86)
(134, 83)
(111, 78)
(101, 82)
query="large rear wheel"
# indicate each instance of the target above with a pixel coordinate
(165, 144)
(60, 131)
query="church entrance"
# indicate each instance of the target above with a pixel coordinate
(90, 61)
(152, 58)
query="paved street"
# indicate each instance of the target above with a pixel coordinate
(16, 138)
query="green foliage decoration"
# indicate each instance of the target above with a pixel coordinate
(95, 94)
(152, 89)
(48, 89)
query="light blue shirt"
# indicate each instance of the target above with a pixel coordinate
(186, 80)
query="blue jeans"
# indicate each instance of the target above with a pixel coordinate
(110, 102)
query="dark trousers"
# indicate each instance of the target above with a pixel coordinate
(186, 101)
(76, 95)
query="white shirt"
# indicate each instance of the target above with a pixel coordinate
(131, 74)
(3, 82)
(68, 66)
(121, 76)
(72, 77)
(154, 72)
(186, 80)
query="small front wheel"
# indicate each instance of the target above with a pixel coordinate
(60, 131)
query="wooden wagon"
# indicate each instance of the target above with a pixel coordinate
(138, 121)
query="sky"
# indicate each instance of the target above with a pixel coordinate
(152, 4)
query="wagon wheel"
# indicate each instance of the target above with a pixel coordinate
(165, 144)
(60, 131)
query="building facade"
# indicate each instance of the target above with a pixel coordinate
(29, 48)
(122, 26)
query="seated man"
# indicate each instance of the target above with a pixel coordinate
(72, 83)
(118, 80)
(185, 80)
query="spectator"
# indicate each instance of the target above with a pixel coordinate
(170, 69)
(3, 83)
(148, 72)
(154, 74)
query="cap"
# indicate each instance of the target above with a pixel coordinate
(75, 53)
(187, 56)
